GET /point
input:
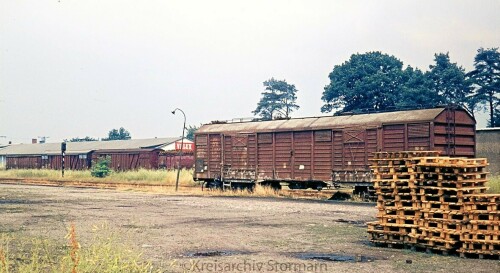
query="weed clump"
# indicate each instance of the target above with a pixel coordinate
(101, 168)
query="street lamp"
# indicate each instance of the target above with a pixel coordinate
(182, 147)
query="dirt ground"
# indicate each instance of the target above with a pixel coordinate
(221, 234)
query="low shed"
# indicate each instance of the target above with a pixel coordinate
(125, 154)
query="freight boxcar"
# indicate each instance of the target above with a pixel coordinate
(317, 152)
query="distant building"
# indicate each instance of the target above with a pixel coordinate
(130, 154)
(488, 145)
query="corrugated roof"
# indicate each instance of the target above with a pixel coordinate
(85, 147)
(323, 122)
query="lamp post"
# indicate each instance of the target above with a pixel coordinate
(180, 151)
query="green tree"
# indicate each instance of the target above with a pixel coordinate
(278, 99)
(496, 120)
(366, 81)
(190, 132)
(78, 139)
(448, 80)
(415, 91)
(486, 79)
(120, 134)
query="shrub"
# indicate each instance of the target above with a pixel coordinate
(101, 168)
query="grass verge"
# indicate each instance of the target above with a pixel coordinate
(153, 177)
(104, 253)
(494, 184)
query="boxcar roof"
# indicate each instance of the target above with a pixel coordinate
(86, 147)
(312, 123)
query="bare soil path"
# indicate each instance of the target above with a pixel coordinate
(221, 234)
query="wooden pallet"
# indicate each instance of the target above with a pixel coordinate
(396, 205)
(406, 212)
(475, 226)
(481, 207)
(434, 243)
(446, 206)
(398, 221)
(388, 170)
(491, 216)
(387, 237)
(478, 254)
(483, 237)
(428, 182)
(398, 198)
(386, 191)
(452, 176)
(436, 233)
(453, 162)
(432, 214)
(394, 183)
(451, 192)
(405, 154)
(486, 198)
(440, 224)
(481, 247)
(386, 229)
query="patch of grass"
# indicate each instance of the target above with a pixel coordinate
(258, 191)
(103, 253)
(161, 177)
(494, 184)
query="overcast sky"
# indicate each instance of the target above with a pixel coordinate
(73, 68)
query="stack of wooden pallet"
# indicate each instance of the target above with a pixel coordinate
(395, 184)
(481, 230)
(434, 203)
(444, 185)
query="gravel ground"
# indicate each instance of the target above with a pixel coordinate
(221, 234)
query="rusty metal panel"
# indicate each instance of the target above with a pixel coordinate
(302, 153)
(323, 136)
(322, 155)
(394, 138)
(326, 122)
(338, 153)
(252, 152)
(201, 147)
(240, 152)
(354, 149)
(264, 159)
(201, 140)
(169, 161)
(283, 155)
(419, 136)
(265, 138)
(371, 143)
(214, 155)
(72, 162)
(227, 152)
(24, 162)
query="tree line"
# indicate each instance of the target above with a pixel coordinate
(375, 81)
(113, 134)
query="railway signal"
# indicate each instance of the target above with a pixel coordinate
(63, 153)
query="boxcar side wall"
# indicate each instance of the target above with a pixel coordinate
(454, 133)
(331, 155)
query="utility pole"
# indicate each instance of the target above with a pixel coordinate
(180, 151)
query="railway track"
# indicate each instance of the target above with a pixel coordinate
(88, 184)
(298, 194)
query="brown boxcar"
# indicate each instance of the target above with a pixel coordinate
(170, 159)
(324, 151)
(131, 159)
